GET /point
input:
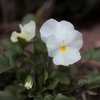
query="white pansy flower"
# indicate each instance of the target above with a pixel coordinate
(27, 32)
(28, 85)
(62, 40)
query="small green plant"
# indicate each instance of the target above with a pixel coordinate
(46, 72)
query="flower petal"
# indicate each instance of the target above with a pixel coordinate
(73, 39)
(73, 54)
(28, 30)
(53, 45)
(62, 58)
(58, 58)
(21, 28)
(14, 36)
(28, 36)
(67, 25)
(66, 58)
(50, 27)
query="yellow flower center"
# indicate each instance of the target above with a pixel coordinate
(22, 36)
(63, 49)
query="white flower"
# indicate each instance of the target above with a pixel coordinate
(27, 32)
(28, 85)
(62, 41)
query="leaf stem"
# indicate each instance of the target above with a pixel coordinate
(83, 76)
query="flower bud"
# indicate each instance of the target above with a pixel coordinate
(29, 81)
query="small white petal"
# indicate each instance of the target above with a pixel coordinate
(28, 85)
(21, 28)
(28, 36)
(14, 36)
(28, 30)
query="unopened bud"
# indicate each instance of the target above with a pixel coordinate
(29, 82)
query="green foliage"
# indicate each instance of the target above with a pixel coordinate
(49, 82)
(5, 95)
(92, 82)
(9, 47)
(70, 70)
(93, 54)
(49, 97)
(42, 78)
(62, 97)
(15, 89)
(52, 84)
(91, 92)
(62, 77)
(6, 63)
(23, 43)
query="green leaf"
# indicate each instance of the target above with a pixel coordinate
(23, 43)
(48, 97)
(41, 46)
(11, 90)
(27, 18)
(9, 47)
(72, 98)
(92, 85)
(5, 95)
(70, 70)
(93, 54)
(34, 94)
(92, 77)
(37, 67)
(63, 78)
(52, 84)
(15, 89)
(51, 67)
(4, 78)
(42, 89)
(5, 63)
(92, 82)
(63, 97)
(89, 85)
(42, 78)
(38, 99)
(81, 81)
(22, 73)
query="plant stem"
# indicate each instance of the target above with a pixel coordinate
(84, 76)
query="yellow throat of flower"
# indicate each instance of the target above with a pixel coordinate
(22, 36)
(63, 49)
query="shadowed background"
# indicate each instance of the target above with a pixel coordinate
(84, 14)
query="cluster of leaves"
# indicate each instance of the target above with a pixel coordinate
(17, 63)
(50, 83)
